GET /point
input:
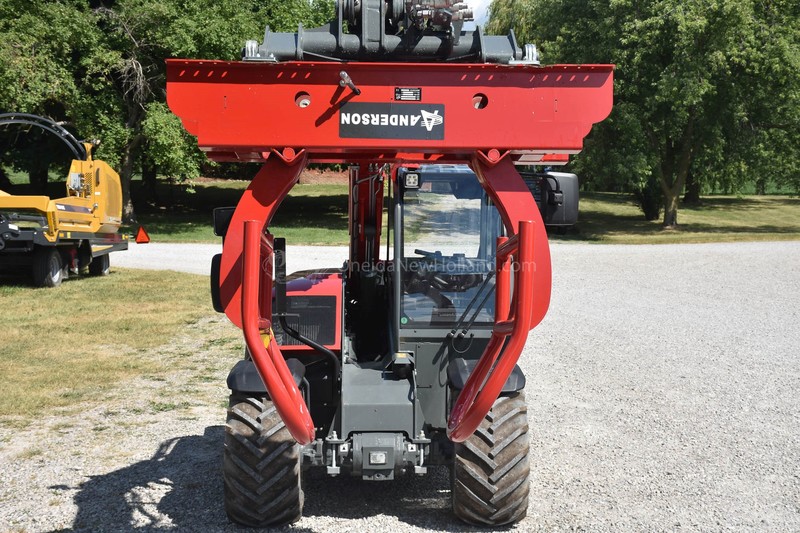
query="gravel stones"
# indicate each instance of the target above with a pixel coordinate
(662, 395)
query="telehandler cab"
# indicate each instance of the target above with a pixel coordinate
(404, 356)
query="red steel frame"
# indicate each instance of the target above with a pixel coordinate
(495, 116)
(241, 111)
(482, 388)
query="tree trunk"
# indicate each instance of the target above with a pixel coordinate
(128, 214)
(125, 176)
(149, 179)
(761, 186)
(692, 195)
(5, 183)
(674, 169)
(38, 178)
(670, 210)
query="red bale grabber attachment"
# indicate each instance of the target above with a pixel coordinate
(246, 283)
(526, 254)
(403, 353)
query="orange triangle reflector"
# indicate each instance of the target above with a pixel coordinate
(141, 236)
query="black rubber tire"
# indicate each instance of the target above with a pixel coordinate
(84, 256)
(100, 266)
(48, 267)
(491, 468)
(261, 465)
(216, 299)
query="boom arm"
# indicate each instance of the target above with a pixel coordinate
(392, 30)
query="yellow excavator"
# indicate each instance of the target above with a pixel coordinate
(56, 237)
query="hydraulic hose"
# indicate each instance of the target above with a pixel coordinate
(293, 333)
(280, 305)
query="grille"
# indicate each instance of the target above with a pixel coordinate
(313, 316)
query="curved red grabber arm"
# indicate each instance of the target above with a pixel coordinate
(526, 254)
(268, 359)
(246, 286)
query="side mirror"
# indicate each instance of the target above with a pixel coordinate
(222, 219)
(557, 195)
(559, 205)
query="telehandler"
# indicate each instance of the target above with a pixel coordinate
(405, 356)
(53, 237)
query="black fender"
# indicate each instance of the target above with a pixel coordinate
(244, 377)
(459, 370)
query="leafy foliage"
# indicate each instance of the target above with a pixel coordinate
(710, 87)
(704, 88)
(45, 50)
(100, 65)
(168, 144)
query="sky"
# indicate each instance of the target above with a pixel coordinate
(480, 9)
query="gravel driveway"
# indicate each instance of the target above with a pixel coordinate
(196, 258)
(662, 388)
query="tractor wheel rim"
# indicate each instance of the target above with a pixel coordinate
(55, 269)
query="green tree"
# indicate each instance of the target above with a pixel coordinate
(46, 51)
(146, 32)
(100, 65)
(707, 87)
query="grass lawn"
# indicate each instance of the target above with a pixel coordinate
(70, 344)
(317, 214)
(615, 218)
(312, 214)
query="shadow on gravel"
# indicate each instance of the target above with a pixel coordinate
(180, 487)
(171, 489)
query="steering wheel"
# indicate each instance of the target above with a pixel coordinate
(444, 281)
(428, 255)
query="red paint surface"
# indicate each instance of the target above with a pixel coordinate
(505, 345)
(269, 361)
(240, 111)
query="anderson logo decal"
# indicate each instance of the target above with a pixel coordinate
(429, 120)
(391, 121)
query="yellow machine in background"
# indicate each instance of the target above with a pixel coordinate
(54, 237)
